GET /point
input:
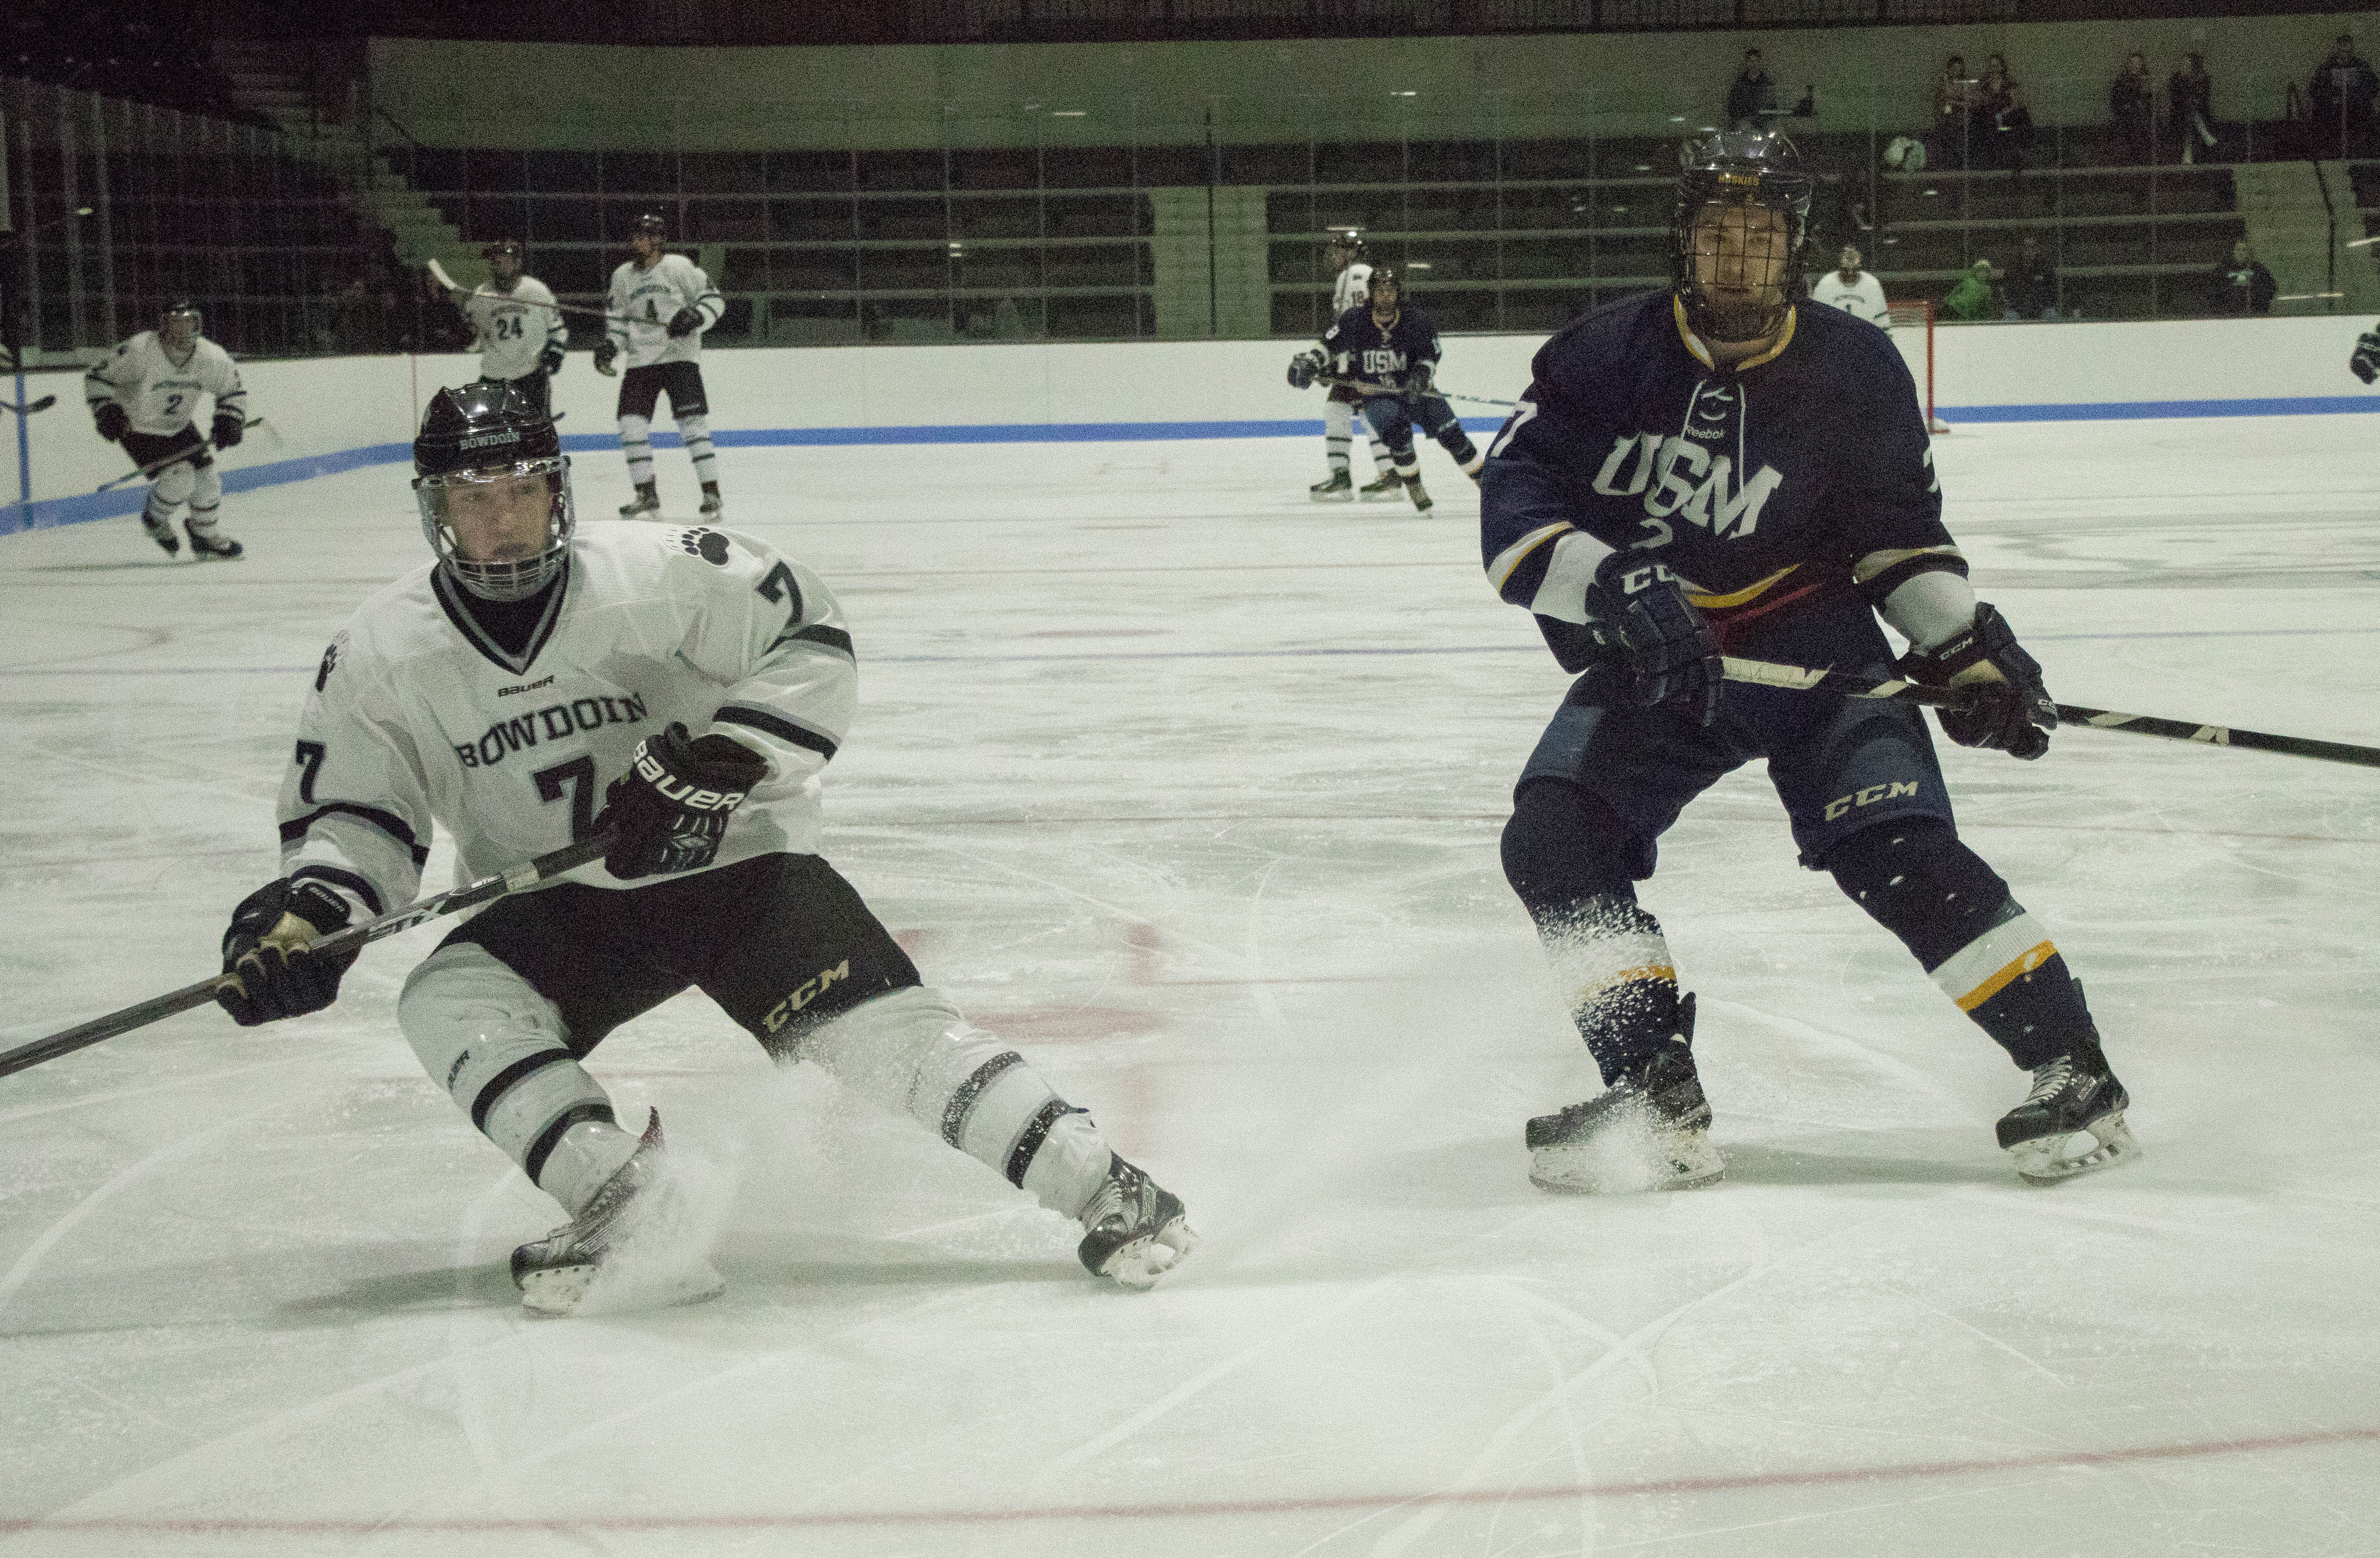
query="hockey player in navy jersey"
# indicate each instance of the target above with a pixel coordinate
(694, 682)
(1388, 353)
(1711, 470)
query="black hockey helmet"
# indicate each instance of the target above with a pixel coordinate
(1754, 170)
(505, 246)
(177, 312)
(651, 221)
(1387, 276)
(480, 435)
(1350, 240)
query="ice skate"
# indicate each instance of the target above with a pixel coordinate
(714, 506)
(162, 532)
(555, 1273)
(1419, 493)
(1338, 487)
(1390, 485)
(2072, 1123)
(647, 503)
(1136, 1230)
(1651, 1131)
(205, 543)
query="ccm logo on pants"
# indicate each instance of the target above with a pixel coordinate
(780, 1014)
(1869, 796)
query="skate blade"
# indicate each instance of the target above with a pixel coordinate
(2043, 1160)
(557, 1291)
(1601, 1166)
(1382, 497)
(1345, 494)
(1139, 1262)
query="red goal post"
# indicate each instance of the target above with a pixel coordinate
(1912, 332)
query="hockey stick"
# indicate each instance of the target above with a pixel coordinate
(41, 404)
(1766, 673)
(438, 273)
(485, 890)
(1361, 387)
(177, 457)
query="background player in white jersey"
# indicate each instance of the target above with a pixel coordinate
(1351, 288)
(520, 331)
(661, 304)
(697, 681)
(144, 396)
(1852, 290)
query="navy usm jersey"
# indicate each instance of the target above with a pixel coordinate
(1361, 349)
(1800, 484)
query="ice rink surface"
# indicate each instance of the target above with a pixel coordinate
(1192, 789)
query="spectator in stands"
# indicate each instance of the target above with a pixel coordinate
(2244, 287)
(1971, 297)
(2190, 104)
(2132, 107)
(1954, 98)
(2003, 125)
(2031, 291)
(1752, 99)
(2342, 92)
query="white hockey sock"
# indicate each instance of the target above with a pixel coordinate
(1382, 460)
(912, 1052)
(1338, 433)
(637, 438)
(206, 498)
(696, 432)
(1334, 454)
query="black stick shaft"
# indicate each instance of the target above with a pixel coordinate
(189, 996)
(1764, 673)
(175, 458)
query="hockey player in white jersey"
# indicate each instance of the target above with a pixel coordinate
(145, 397)
(677, 690)
(520, 333)
(1350, 289)
(1852, 290)
(661, 304)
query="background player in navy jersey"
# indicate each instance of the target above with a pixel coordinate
(1678, 484)
(1387, 354)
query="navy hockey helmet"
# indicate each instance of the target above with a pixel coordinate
(1385, 278)
(1734, 274)
(479, 435)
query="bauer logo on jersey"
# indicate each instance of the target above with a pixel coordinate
(1677, 476)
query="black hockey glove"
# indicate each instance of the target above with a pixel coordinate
(267, 948)
(669, 811)
(607, 353)
(1418, 377)
(1306, 367)
(1646, 629)
(228, 431)
(549, 360)
(113, 424)
(2010, 710)
(2365, 363)
(685, 322)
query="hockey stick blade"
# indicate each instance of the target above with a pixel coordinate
(1766, 673)
(41, 404)
(156, 1008)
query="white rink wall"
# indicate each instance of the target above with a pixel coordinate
(328, 414)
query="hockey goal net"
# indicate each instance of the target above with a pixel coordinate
(1912, 332)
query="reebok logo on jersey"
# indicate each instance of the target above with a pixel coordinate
(555, 721)
(782, 1012)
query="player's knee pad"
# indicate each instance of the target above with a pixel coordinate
(206, 492)
(1338, 421)
(693, 426)
(500, 1051)
(1564, 847)
(1920, 881)
(911, 1050)
(174, 484)
(636, 431)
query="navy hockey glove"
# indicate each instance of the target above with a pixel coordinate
(549, 360)
(1304, 368)
(605, 355)
(685, 322)
(267, 949)
(669, 811)
(1418, 377)
(2009, 709)
(2365, 363)
(1648, 631)
(228, 431)
(112, 422)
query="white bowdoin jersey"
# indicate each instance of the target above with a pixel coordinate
(1352, 290)
(159, 394)
(643, 303)
(416, 716)
(512, 329)
(1863, 298)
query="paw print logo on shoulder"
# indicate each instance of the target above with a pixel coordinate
(708, 545)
